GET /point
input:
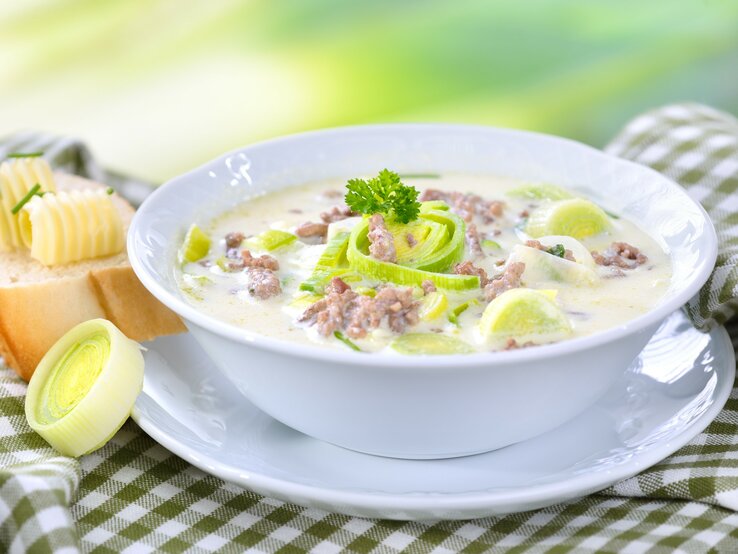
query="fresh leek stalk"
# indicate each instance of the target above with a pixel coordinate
(195, 246)
(576, 217)
(540, 191)
(525, 315)
(329, 264)
(429, 344)
(432, 306)
(270, 240)
(84, 388)
(541, 266)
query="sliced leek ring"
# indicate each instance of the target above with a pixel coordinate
(271, 239)
(540, 191)
(576, 217)
(542, 267)
(195, 246)
(524, 314)
(447, 252)
(429, 344)
(84, 388)
(430, 236)
(581, 253)
(433, 306)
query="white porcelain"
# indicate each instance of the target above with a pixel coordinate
(668, 395)
(421, 407)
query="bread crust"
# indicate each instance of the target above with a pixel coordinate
(36, 313)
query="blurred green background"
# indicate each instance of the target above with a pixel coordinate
(157, 87)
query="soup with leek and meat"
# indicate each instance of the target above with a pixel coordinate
(424, 264)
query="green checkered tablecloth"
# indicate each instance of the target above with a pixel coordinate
(135, 496)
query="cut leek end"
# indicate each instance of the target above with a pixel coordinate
(84, 388)
(524, 314)
(195, 246)
(429, 344)
(576, 217)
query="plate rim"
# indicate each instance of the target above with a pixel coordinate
(461, 503)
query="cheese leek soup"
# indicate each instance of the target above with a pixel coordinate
(422, 264)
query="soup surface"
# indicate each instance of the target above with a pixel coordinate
(487, 264)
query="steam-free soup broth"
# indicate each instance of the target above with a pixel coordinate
(421, 265)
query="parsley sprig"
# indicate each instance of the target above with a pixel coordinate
(557, 250)
(383, 194)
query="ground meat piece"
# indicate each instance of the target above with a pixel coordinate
(495, 208)
(400, 307)
(433, 194)
(357, 314)
(473, 241)
(234, 240)
(337, 213)
(265, 261)
(510, 279)
(428, 286)
(512, 344)
(310, 229)
(234, 264)
(524, 214)
(410, 239)
(468, 268)
(568, 254)
(535, 244)
(330, 194)
(620, 254)
(263, 283)
(467, 205)
(382, 243)
(337, 285)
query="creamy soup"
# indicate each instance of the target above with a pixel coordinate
(485, 264)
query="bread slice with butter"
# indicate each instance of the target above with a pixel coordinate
(38, 304)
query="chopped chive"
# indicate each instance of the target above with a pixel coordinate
(30, 194)
(557, 250)
(420, 176)
(340, 336)
(25, 155)
(454, 314)
(612, 215)
(110, 190)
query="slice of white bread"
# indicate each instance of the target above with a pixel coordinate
(38, 304)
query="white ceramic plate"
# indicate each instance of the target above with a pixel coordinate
(670, 394)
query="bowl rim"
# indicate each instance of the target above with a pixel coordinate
(293, 349)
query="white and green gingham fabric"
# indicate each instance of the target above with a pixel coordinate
(135, 496)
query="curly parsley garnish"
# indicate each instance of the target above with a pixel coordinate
(383, 194)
